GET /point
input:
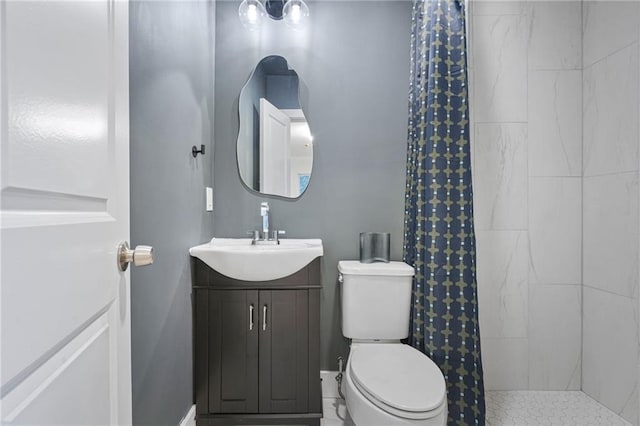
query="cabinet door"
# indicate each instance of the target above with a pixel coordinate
(233, 340)
(284, 351)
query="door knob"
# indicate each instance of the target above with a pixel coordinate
(140, 256)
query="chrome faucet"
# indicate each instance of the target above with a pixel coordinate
(274, 237)
(264, 212)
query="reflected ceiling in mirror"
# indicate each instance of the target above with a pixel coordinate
(275, 146)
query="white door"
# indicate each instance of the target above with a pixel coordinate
(65, 320)
(275, 136)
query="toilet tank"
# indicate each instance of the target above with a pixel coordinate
(376, 299)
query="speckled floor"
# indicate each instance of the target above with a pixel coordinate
(518, 408)
(562, 408)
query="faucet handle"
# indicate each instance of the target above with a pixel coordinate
(276, 234)
(255, 234)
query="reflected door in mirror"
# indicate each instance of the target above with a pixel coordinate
(275, 137)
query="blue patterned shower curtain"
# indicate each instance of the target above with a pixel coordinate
(439, 239)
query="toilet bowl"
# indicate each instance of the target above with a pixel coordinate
(386, 382)
(393, 384)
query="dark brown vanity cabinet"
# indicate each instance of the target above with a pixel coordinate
(256, 349)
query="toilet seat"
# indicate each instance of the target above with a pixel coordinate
(398, 379)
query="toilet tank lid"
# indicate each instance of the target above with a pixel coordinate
(354, 267)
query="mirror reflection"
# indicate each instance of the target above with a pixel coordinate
(275, 146)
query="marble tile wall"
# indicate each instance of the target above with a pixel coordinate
(611, 116)
(526, 116)
(555, 195)
(555, 115)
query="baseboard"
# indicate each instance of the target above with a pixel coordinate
(329, 384)
(189, 418)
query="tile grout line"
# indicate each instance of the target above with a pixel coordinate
(581, 195)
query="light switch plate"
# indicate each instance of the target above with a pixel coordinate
(209, 199)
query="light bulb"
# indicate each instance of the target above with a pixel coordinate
(251, 13)
(295, 13)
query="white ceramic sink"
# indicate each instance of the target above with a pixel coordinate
(238, 258)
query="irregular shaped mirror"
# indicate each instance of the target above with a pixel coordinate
(275, 146)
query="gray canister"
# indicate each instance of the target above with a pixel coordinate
(374, 247)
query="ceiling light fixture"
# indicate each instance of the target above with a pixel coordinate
(293, 12)
(251, 13)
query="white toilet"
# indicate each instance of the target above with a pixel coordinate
(386, 382)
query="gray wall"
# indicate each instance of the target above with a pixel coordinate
(282, 91)
(353, 64)
(256, 89)
(171, 95)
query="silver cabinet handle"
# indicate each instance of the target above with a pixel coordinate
(264, 317)
(251, 317)
(140, 256)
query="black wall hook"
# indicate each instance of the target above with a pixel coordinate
(195, 151)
